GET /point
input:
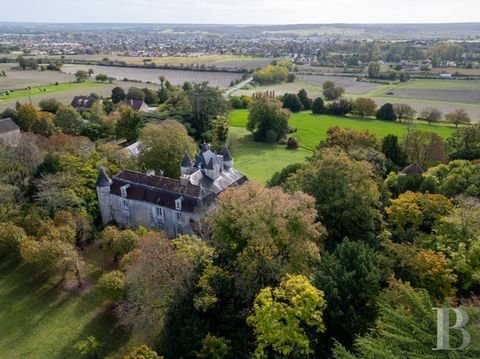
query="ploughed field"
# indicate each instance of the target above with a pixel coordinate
(176, 77)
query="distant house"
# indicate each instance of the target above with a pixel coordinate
(132, 199)
(136, 105)
(9, 132)
(412, 169)
(83, 102)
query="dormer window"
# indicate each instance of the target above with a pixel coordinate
(123, 190)
(178, 204)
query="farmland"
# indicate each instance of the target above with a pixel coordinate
(259, 160)
(227, 61)
(446, 95)
(176, 77)
(51, 90)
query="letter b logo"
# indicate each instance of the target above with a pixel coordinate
(443, 328)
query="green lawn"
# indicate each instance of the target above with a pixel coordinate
(259, 160)
(51, 89)
(39, 320)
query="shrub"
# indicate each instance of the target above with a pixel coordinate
(292, 143)
(88, 348)
(113, 284)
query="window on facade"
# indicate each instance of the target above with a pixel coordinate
(179, 216)
(158, 212)
(123, 190)
(125, 204)
(178, 204)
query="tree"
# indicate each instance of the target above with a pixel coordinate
(113, 285)
(220, 126)
(348, 139)
(455, 178)
(404, 111)
(292, 102)
(69, 120)
(284, 318)
(27, 116)
(458, 117)
(135, 93)
(51, 105)
(406, 328)
(345, 192)
(386, 113)
(414, 212)
(363, 106)
(55, 192)
(90, 72)
(267, 120)
(45, 125)
(351, 278)
(393, 151)
(304, 99)
(331, 91)
(318, 106)
(81, 75)
(11, 237)
(157, 279)
(464, 143)
(291, 77)
(214, 348)
(163, 147)
(118, 94)
(373, 69)
(142, 352)
(151, 96)
(117, 242)
(280, 178)
(424, 148)
(263, 234)
(341, 107)
(101, 77)
(206, 103)
(431, 114)
(53, 250)
(271, 74)
(128, 125)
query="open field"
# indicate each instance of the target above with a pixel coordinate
(52, 89)
(446, 95)
(176, 77)
(259, 161)
(39, 320)
(228, 61)
(20, 79)
(66, 96)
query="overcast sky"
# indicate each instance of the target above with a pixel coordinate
(241, 11)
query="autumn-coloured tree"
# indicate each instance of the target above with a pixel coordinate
(284, 318)
(431, 114)
(424, 148)
(263, 234)
(347, 139)
(413, 212)
(157, 279)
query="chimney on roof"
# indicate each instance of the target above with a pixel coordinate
(184, 180)
(150, 173)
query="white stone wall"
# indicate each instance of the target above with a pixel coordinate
(141, 213)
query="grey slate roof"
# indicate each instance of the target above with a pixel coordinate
(228, 177)
(136, 105)
(186, 162)
(7, 125)
(412, 169)
(103, 180)
(226, 154)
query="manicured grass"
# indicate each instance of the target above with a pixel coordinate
(51, 89)
(40, 320)
(259, 161)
